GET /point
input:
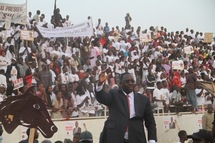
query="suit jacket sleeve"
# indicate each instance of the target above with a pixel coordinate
(103, 97)
(150, 121)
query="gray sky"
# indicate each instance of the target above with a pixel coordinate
(173, 14)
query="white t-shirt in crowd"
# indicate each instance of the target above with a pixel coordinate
(158, 94)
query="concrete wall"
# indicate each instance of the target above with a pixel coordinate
(191, 123)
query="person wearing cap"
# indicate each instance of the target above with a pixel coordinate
(86, 137)
(202, 136)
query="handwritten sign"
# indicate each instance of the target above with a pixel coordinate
(178, 65)
(27, 35)
(188, 50)
(17, 83)
(145, 37)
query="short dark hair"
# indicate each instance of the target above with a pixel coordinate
(58, 142)
(158, 83)
(86, 137)
(122, 75)
(182, 133)
(46, 141)
(2, 71)
(86, 141)
(38, 11)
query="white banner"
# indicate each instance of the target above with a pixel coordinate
(17, 12)
(80, 30)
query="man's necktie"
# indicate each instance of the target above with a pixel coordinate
(128, 100)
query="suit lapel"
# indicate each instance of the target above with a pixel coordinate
(124, 102)
(136, 102)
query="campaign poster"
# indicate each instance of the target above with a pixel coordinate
(69, 126)
(169, 122)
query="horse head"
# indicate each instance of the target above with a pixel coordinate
(27, 110)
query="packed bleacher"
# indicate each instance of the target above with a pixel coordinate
(165, 65)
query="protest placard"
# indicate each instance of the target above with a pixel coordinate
(208, 37)
(27, 35)
(145, 37)
(17, 83)
(178, 65)
(188, 49)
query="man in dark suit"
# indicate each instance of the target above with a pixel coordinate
(77, 129)
(171, 124)
(128, 112)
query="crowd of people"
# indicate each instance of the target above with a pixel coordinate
(64, 70)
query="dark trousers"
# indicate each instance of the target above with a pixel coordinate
(126, 141)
